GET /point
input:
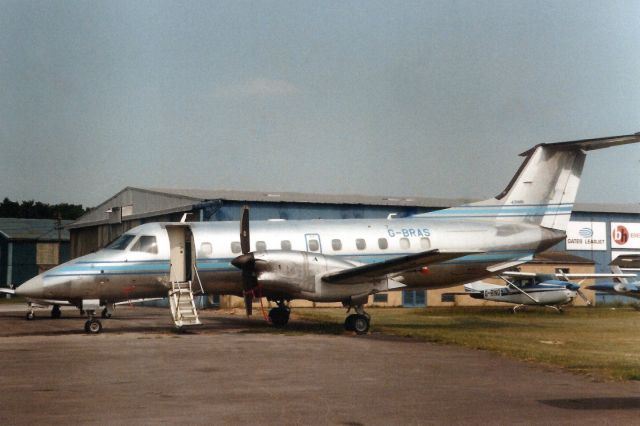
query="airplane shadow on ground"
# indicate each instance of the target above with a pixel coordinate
(630, 403)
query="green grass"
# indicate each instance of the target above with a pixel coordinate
(13, 299)
(601, 342)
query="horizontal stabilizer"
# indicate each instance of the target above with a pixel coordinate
(589, 144)
(480, 286)
(359, 274)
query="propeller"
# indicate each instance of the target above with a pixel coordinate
(246, 262)
(576, 287)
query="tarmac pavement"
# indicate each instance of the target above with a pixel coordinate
(236, 371)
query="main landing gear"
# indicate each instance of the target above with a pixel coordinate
(55, 312)
(358, 322)
(279, 315)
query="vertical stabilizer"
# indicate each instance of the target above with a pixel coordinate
(544, 189)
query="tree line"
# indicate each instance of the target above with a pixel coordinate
(37, 210)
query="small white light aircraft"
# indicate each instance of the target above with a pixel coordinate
(531, 289)
(623, 287)
(330, 260)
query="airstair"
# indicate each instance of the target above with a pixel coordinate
(183, 307)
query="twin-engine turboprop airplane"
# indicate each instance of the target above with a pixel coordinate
(330, 260)
(531, 289)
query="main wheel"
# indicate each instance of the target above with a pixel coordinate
(55, 312)
(349, 322)
(93, 326)
(279, 317)
(30, 316)
(361, 324)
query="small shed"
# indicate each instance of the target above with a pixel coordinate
(31, 246)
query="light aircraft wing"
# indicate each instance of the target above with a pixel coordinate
(396, 265)
(586, 276)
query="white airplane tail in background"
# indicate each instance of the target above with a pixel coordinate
(543, 190)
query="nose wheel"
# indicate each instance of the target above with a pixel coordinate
(93, 326)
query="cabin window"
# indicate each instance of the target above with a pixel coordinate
(425, 243)
(405, 243)
(285, 245)
(261, 246)
(314, 245)
(121, 243)
(383, 243)
(235, 247)
(336, 245)
(146, 244)
(205, 250)
(361, 244)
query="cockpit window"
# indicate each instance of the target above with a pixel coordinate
(146, 244)
(121, 243)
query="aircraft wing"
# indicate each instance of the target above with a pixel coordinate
(6, 290)
(615, 288)
(586, 276)
(359, 274)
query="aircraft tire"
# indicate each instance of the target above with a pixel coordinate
(349, 322)
(30, 316)
(279, 317)
(93, 326)
(55, 312)
(361, 324)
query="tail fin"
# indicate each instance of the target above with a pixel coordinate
(543, 190)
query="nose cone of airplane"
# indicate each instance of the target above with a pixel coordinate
(31, 288)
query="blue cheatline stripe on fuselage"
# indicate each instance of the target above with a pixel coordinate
(224, 264)
(502, 211)
(111, 268)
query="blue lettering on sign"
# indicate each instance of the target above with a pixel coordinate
(409, 232)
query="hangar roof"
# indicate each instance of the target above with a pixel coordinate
(33, 229)
(160, 201)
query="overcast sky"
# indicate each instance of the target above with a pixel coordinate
(431, 98)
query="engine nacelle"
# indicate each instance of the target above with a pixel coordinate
(294, 272)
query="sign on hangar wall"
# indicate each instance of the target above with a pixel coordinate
(587, 236)
(625, 235)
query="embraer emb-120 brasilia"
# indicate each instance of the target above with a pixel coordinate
(329, 260)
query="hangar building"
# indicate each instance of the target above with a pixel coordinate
(31, 246)
(597, 233)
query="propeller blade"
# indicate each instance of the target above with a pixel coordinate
(581, 294)
(248, 303)
(245, 241)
